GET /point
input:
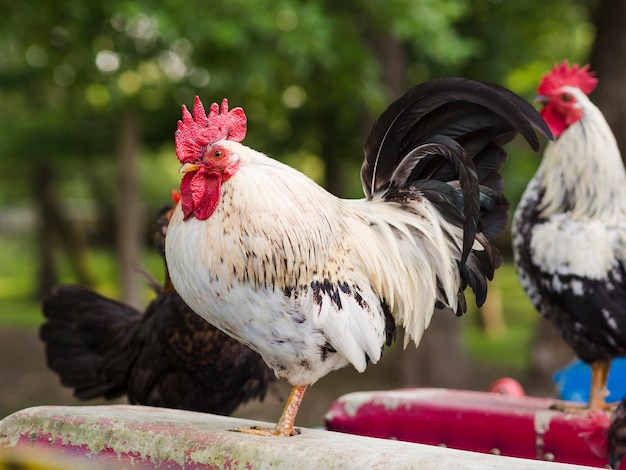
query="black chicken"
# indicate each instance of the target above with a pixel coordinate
(616, 436)
(168, 357)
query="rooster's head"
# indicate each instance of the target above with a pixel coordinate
(558, 92)
(205, 162)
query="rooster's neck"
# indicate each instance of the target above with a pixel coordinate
(582, 172)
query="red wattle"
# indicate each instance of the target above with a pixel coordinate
(554, 120)
(200, 191)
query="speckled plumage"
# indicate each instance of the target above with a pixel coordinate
(569, 237)
(304, 300)
(314, 282)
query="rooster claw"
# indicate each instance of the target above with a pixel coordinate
(569, 407)
(267, 432)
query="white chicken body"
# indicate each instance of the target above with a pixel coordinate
(313, 282)
(309, 301)
(569, 230)
(578, 196)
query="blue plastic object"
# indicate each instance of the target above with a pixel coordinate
(573, 381)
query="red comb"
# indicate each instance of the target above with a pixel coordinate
(562, 75)
(195, 133)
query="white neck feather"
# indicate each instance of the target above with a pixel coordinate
(582, 172)
(293, 232)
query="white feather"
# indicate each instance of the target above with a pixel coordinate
(577, 166)
(584, 230)
(275, 230)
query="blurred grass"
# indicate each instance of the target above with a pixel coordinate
(18, 276)
(508, 347)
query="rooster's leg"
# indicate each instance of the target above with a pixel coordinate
(598, 391)
(284, 427)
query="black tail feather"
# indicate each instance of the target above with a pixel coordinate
(445, 138)
(168, 356)
(87, 340)
(465, 110)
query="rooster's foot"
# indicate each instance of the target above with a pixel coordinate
(271, 432)
(570, 407)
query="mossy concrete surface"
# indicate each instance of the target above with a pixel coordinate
(123, 436)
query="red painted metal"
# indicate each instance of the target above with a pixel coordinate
(517, 426)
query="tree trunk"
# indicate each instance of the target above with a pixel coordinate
(392, 56)
(47, 237)
(608, 60)
(549, 354)
(52, 231)
(440, 360)
(492, 313)
(128, 211)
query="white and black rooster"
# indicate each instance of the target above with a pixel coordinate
(313, 282)
(569, 230)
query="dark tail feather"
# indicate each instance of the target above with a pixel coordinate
(479, 268)
(450, 130)
(445, 138)
(88, 341)
(494, 208)
(479, 265)
(446, 149)
(468, 111)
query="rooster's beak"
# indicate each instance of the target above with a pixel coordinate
(187, 167)
(542, 100)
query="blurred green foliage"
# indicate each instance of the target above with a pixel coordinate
(18, 308)
(508, 347)
(311, 75)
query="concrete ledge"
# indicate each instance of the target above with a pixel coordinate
(145, 437)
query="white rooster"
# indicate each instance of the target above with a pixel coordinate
(570, 227)
(313, 282)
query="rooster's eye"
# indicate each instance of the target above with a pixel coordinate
(218, 154)
(566, 97)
